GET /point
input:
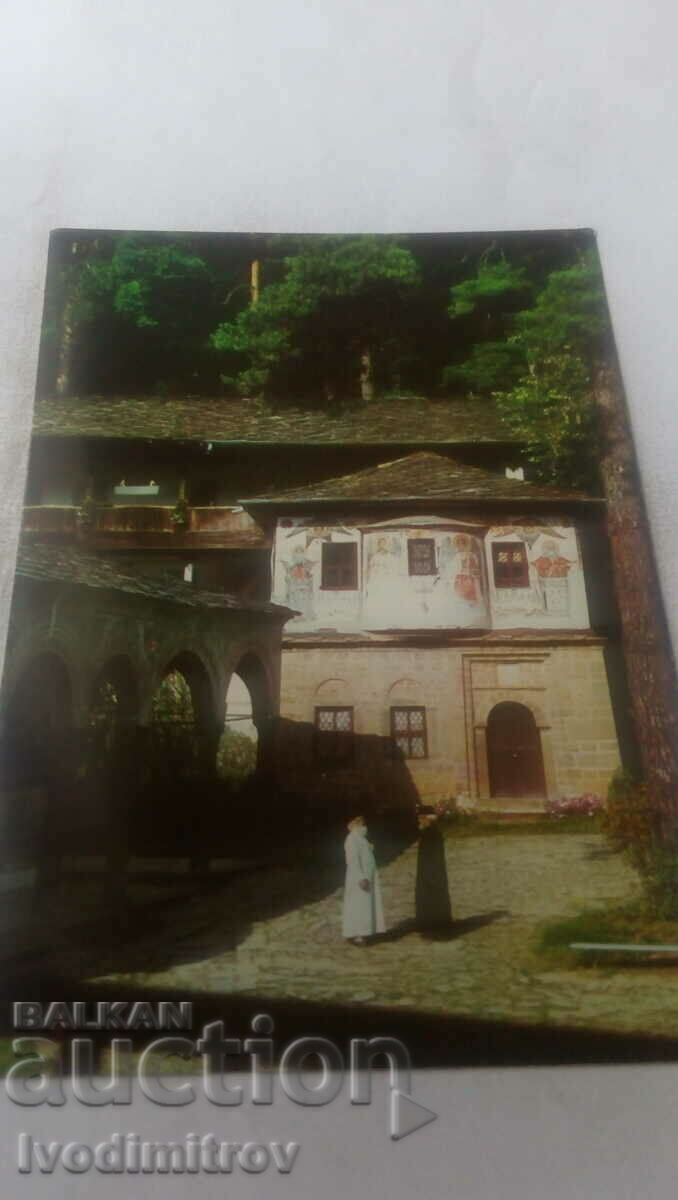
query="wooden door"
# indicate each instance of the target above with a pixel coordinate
(515, 762)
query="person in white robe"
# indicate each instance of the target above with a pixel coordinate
(363, 911)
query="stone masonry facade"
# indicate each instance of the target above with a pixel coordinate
(564, 687)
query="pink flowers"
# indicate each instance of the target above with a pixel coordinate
(587, 805)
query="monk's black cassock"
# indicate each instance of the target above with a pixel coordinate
(432, 897)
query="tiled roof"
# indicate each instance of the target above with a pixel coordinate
(194, 418)
(420, 476)
(66, 564)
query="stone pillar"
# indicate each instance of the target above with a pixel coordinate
(480, 778)
(548, 759)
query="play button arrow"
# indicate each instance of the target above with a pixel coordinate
(407, 1115)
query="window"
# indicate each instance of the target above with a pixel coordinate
(408, 730)
(421, 556)
(334, 735)
(339, 566)
(509, 560)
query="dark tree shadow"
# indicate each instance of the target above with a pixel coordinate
(284, 843)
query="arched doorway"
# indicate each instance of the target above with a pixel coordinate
(39, 717)
(40, 761)
(514, 755)
(238, 745)
(245, 742)
(182, 722)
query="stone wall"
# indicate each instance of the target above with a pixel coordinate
(563, 686)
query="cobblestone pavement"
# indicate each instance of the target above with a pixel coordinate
(253, 938)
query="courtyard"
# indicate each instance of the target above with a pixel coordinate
(271, 933)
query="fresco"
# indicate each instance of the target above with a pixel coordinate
(428, 577)
(555, 595)
(411, 577)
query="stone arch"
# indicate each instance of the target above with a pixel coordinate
(42, 696)
(197, 675)
(487, 701)
(252, 670)
(40, 747)
(42, 642)
(183, 724)
(405, 691)
(335, 692)
(332, 690)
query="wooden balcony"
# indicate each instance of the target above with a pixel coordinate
(147, 527)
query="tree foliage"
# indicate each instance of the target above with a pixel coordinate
(173, 702)
(335, 319)
(330, 319)
(492, 283)
(236, 757)
(146, 284)
(551, 407)
(482, 305)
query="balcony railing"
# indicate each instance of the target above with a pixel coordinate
(104, 524)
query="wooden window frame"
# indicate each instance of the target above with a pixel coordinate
(511, 579)
(341, 741)
(428, 542)
(326, 567)
(399, 735)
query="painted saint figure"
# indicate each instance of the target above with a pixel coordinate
(466, 567)
(363, 913)
(299, 573)
(552, 572)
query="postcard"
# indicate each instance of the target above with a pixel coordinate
(337, 699)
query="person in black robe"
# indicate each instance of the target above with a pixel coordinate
(433, 909)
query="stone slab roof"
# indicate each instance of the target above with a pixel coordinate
(194, 418)
(420, 476)
(47, 563)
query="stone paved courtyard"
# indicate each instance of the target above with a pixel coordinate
(251, 937)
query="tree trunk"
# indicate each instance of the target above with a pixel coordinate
(254, 281)
(69, 316)
(366, 376)
(65, 355)
(645, 638)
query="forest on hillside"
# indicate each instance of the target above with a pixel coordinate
(327, 321)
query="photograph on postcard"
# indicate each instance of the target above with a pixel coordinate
(337, 684)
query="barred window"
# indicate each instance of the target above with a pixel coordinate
(509, 560)
(421, 556)
(408, 730)
(334, 735)
(339, 570)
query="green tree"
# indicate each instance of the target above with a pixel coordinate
(323, 330)
(129, 313)
(148, 284)
(570, 410)
(481, 307)
(552, 407)
(236, 757)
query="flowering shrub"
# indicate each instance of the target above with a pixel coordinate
(587, 805)
(456, 810)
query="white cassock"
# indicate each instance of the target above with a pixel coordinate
(363, 911)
